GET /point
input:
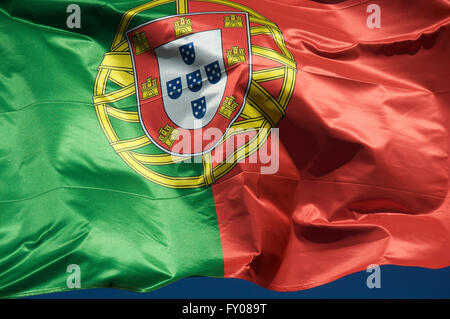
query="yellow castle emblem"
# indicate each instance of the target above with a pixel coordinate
(233, 21)
(168, 135)
(149, 88)
(140, 42)
(182, 26)
(235, 55)
(228, 106)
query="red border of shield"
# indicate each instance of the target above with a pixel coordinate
(152, 116)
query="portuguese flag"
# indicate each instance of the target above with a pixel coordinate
(324, 141)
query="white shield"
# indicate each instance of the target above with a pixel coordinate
(208, 49)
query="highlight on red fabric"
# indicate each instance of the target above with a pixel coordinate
(364, 166)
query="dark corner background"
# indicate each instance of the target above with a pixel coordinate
(396, 282)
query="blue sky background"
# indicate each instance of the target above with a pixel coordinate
(396, 282)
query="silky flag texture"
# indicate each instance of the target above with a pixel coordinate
(85, 179)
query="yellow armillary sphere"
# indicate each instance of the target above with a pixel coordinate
(261, 111)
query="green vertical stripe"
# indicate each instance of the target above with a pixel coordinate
(66, 197)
